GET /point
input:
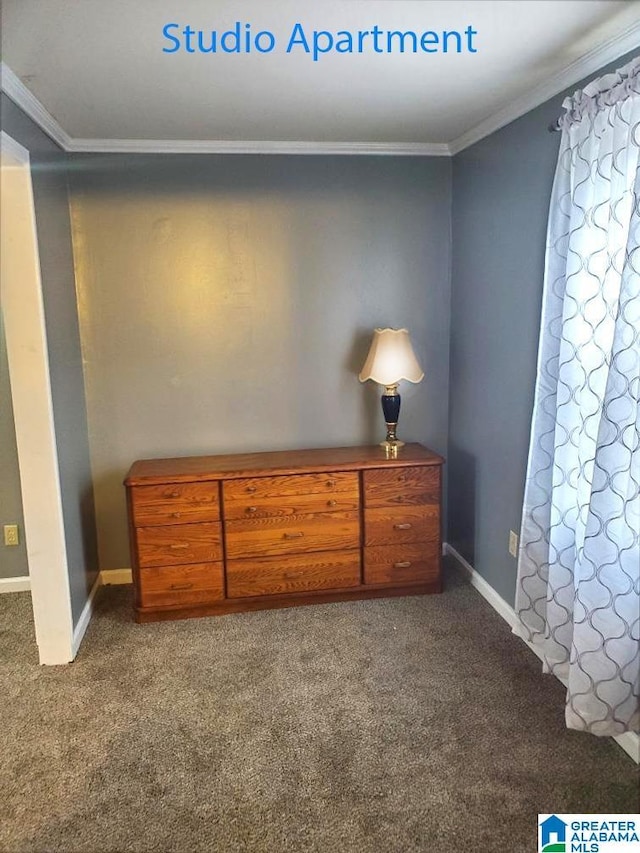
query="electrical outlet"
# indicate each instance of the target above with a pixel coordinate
(11, 534)
(513, 543)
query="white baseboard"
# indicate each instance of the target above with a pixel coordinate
(485, 589)
(105, 578)
(111, 577)
(629, 741)
(85, 618)
(20, 584)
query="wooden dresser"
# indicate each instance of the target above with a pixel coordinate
(221, 534)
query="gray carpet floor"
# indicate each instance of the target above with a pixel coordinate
(409, 724)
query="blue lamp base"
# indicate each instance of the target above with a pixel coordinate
(391, 412)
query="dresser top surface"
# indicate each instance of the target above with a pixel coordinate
(190, 468)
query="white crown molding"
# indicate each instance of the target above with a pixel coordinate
(15, 89)
(587, 64)
(590, 62)
(222, 146)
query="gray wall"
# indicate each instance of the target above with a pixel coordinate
(501, 192)
(48, 168)
(227, 304)
(13, 559)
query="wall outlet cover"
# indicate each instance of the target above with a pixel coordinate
(11, 536)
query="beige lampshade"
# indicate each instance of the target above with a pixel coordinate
(391, 358)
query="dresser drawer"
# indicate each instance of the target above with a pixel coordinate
(281, 506)
(197, 583)
(400, 486)
(175, 503)
(299, 573)
(390, 526)
(268, 491)
(294, 534)
(173, 544)
(402, 563)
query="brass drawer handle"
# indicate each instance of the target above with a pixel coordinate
(331, 484)
(331, 503)
(251, 489)
(291, 575)
(176, 514)
(405, 526)
(172, 495)
(403, 564)
(179, 586)
(179, 547)
(252, 509)
(293, 535)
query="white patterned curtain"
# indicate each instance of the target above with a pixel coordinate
(578, 589)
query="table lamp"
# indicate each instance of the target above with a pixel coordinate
(391, 358)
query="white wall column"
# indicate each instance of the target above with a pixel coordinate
(23, 312)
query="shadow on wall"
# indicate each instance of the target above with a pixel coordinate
(89, 535)
(462, 502)
(110, 492)
(370, 409)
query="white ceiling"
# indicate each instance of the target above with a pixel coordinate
(98, 68)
